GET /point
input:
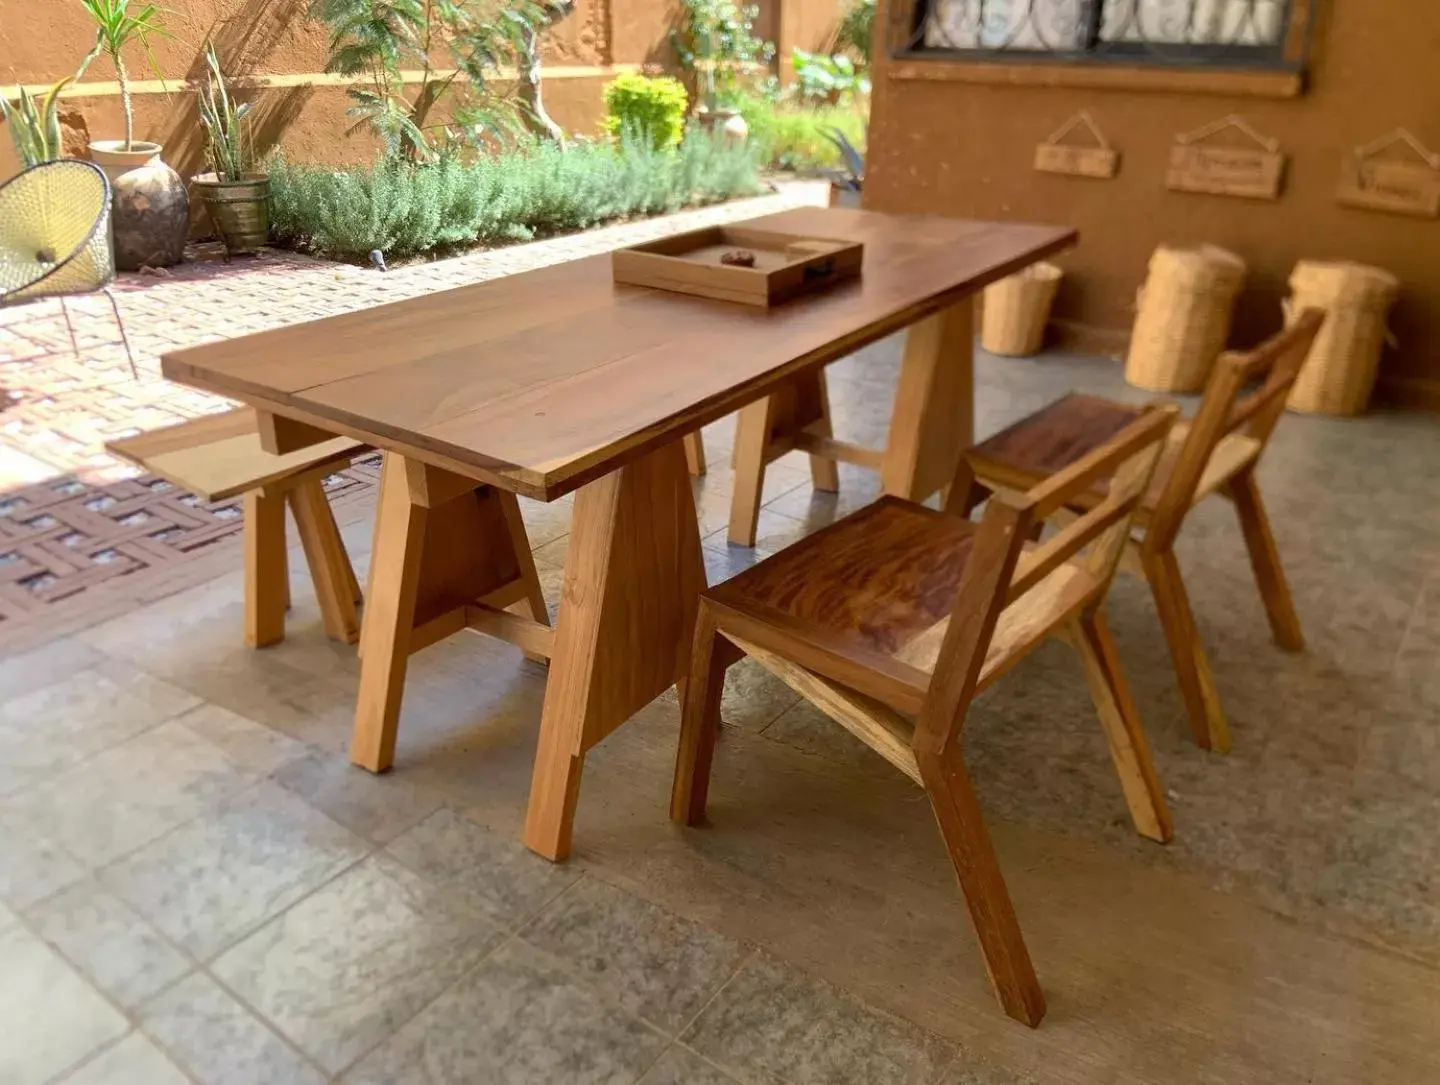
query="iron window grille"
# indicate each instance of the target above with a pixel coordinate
(1228, 33)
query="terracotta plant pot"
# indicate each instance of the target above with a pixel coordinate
(151, 206)
(240, 210)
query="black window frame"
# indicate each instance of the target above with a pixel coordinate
(1286, 54)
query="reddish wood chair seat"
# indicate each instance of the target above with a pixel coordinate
(1056, 436)
(1216, 452)
(894, 618)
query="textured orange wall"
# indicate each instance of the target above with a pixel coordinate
(278, 45)
(959, 149)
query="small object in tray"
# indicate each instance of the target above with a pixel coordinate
(707, 263)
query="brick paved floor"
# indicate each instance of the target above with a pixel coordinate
(73, 519)
(64, 407)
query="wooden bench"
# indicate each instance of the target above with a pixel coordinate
(219, 457)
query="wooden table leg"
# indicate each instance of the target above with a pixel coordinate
(633, 575)
(933, 421)
(796, 416)
(325, 555)
(443, 544)
(695, 453)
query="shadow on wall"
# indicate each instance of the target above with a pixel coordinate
(244, 42)
(274, 110)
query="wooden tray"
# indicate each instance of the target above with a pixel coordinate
(785, 264)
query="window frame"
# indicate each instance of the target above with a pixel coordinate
(1285, 61)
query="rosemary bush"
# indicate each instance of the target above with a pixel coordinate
(403, 209)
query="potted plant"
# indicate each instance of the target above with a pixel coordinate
(237, 198)
(152, 206)
(847, 182)
(35, 125)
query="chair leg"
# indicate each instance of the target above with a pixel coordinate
(958, 812)
(1265, 561)
(699, 721)
(327, 560)
(69, 327)
(1192, 669)
(125, 339)
(1121, 723)
(266, 577)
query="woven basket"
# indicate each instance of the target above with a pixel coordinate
(1339, 372)
(1017, 309)
(1183, 317)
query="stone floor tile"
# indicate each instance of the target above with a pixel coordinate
(53, 1018)
(105, 939)
(773, 1022)
(681, 1066)
(774, 531)
(546, 521)
(753, 697)
(26, 671)
(251, 746)
(497, 874)
(1384, 863)
(130, 794)
(66, 721)
(807, 728)
(218, 1041)
(345, 967)
(378, 808)
(135, 1060)
(521, 1017)
(34, 866)
(653, 963)
(223, 874)
(968, 1072)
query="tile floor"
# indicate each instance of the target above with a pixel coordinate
(196, 887)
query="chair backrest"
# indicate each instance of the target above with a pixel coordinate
(55, 231)
(1225, 410)
(1000, 573)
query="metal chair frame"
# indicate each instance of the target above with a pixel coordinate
(103, 288)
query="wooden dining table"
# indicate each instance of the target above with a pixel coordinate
(559, 380)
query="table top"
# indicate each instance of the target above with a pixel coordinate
(543, 381)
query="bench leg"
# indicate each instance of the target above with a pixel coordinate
(267, 583)
(335, 586)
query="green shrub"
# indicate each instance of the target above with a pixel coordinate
(654, 105)
(403, 209)
(791, 137)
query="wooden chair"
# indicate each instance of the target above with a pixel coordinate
(898, 611)
(1216, 453)
(219, 457)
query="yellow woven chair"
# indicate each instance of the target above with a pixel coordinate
(55, 238)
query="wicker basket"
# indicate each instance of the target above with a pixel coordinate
(1017, 309)
(1339, 373)
(1184, 317)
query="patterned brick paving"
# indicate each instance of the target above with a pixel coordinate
(71, 517)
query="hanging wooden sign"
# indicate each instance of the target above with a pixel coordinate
(1253, 174)
(1389, 184)
(1099, 161)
